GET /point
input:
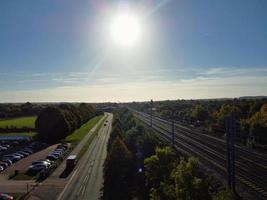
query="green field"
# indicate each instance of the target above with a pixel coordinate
(20, 122)
(79, 134)
(30, 134)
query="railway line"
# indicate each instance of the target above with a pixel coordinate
(251, 170)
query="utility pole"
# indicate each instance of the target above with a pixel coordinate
(172, 128)
(230, 139)
(151, 112)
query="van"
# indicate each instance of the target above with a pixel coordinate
(71, 161)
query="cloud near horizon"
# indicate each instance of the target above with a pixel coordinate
(212, 83)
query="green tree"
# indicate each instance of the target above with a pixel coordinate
(117, 169)
(51, 124)
(189, 182)
(200, 113)
(224, 195)
(159, 166)
(258, 125)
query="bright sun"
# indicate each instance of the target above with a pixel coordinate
(125, 29)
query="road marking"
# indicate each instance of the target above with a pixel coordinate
(66, 186)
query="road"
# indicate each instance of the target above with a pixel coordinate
(250, 167)
(87, 181)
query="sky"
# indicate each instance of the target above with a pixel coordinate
(62, 51)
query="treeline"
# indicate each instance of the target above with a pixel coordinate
(18, 110)
(138, 166)
(250, 116)
(58, 121)
(129, 144)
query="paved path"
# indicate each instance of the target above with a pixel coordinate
(88, 181)
(53, 185)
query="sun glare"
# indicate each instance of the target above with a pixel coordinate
(125, 29)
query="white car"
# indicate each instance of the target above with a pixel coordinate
(3, 148)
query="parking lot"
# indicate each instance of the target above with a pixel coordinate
(23, 164)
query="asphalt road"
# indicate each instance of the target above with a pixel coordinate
(87, 181)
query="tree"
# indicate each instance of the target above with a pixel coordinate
(224, 195)
(258, 125)
(189, 181)
(117, 169)
(139, 140)
(51, 124)
(199, 113)
(159, 166)
(56, 122)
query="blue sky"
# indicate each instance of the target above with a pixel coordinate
(60, 50)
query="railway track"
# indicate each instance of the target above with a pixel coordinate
(251, 170)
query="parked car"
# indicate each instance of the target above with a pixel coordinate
(5, 145)
(4, 196)
(61, 148)
(65, 146)
(3, 148)
(52, 157)
(13, 158)
(3, 164)
(38, 167)
(1, 169)
(24, 153)
(41, 162)
(7, 161)
(28, 150)
(19, 154)
(49, 161)
(56, 153)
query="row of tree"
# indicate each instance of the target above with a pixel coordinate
(18, 110)
(249, 114)
(129, 144)
(58, 121)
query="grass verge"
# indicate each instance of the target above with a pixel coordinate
(89, 141)
(23, 176)
(20, 122)
(79, 134)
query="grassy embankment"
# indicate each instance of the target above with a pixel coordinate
(79, 134)
(91, 138)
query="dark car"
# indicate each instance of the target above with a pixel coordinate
(28, 150)
(5, 197)
(13, 158)
(1, 169)
(3, 164)
(7, 161)
(52, 157)
(24, 153)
